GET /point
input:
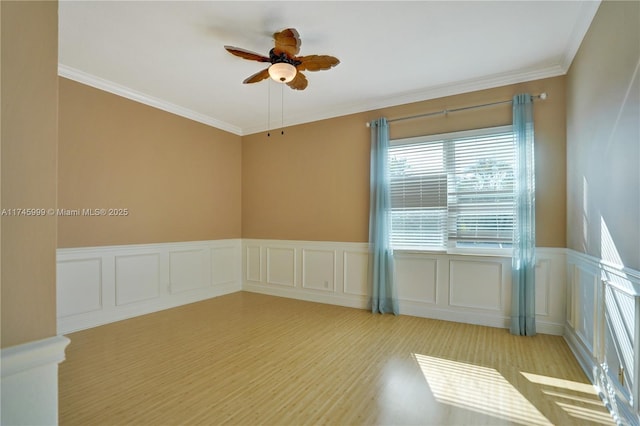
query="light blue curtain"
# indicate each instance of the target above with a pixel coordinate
(523, 308)
(380, 276)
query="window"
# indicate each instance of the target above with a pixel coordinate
(453, 192)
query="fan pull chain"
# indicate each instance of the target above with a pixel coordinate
(268, 108)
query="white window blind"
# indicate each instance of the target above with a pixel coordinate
(418, 189)
(453, 191)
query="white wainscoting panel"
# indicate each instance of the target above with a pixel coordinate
(137, 278)
(79, 286)
(476, 284)
(471, 289)
(319, 269)
(551, 290)
(417, 278)
(253, 256)
(587, 284)
(225, 264)
(281, 266)
(186, 269)
(603, 330)
(543, 280)
(570, 310)
(98, 285)
(355, 272)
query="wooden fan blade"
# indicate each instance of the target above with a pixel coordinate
(246, 54)
(287, 41)
(299, 82)
(259, 76)
(317, 62)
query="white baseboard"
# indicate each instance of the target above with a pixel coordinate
(584, 358)
(30, 382)
(99, 285)
(329, 299)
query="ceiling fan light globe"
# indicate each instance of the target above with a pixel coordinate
(282, 72)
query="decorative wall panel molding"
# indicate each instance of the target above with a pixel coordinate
(253, 256)
(463, 288)
(98, 285)
(477, 284)
(603, 330)
(419, 277)
(587, 282)
(137, 278)
(186, 270)
(225, 265)
(281, 266)
(354, 271)
(543, 279)
(79, 286)
(319, 269)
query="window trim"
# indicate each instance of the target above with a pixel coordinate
(452, 135)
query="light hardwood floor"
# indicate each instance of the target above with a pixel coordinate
(249, 359)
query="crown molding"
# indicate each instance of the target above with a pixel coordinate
(111, 87)
(428, 93)
(434, 92)
(588, 10)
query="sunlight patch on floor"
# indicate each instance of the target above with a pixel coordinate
(583, 403)
(560, 383)
(584, 413)
(479, 389)
(575, 398)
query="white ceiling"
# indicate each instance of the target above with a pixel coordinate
(170, 54)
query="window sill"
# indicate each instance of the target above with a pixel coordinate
(459, 252)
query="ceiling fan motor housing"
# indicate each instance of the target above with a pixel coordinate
(282, 57)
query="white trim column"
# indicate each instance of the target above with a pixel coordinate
(30, 381)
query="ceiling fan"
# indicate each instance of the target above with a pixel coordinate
(286, 66)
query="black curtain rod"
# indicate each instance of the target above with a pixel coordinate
(542, 96)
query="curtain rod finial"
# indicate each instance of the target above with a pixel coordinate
(368, 124)
(543, 95)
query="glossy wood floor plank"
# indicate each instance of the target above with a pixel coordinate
(249, 359)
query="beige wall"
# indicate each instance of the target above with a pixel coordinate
(310, 184)
(603, 137)
(313, 182)
(29, 141)
(180, 180)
